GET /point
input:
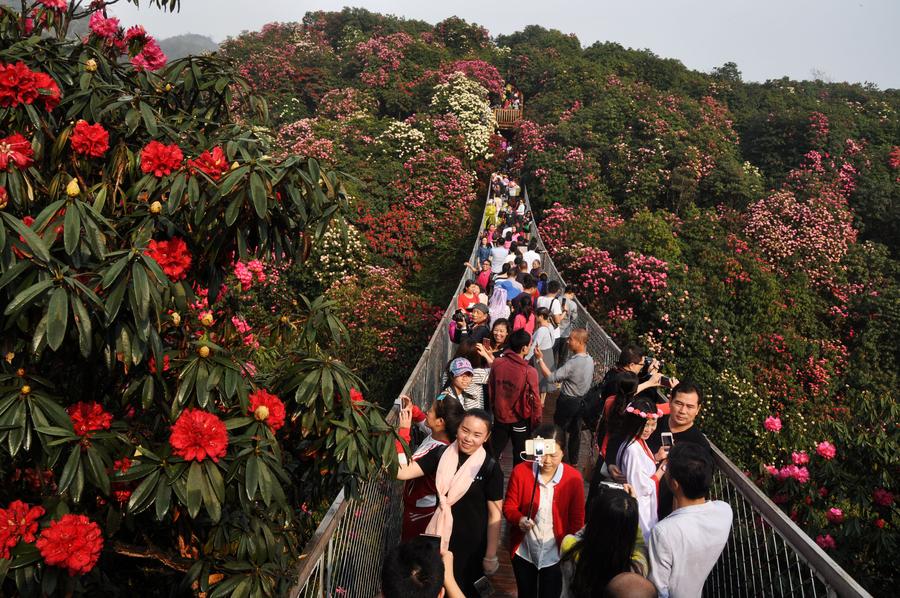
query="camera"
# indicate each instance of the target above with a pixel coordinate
(538, 447)
(459, 316)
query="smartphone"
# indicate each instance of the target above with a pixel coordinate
(665, 381)
(487, 343)
(484, 587)
(404, 402)
(667, 440)
(538, 447)
(432, 540)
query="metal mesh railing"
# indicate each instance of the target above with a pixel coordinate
(766, 554)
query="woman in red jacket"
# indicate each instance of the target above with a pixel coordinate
(544, 502)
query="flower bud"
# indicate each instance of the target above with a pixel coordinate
(203, 351)
(4, 198)
(261, 413)
(234, 165)
(72, 189)
(26, 390)
(90, 65)
(176, 318)
(168, 87)
(20, 372)
(155, 207)
(207, 319)
(10, 356)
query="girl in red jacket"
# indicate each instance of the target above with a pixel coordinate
(540, 515)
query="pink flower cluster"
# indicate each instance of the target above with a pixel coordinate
(772, 424)
(299, 138)
(381, 56)
(793, 472)
(244, 273)
(826, 542)
(146, 55)
(826, 450)
(818, 124)
(478, 70)
(834, 515)
(340, 104)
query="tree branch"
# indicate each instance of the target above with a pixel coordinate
(149, 552)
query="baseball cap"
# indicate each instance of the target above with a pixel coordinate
(480, 307)
(460, 366)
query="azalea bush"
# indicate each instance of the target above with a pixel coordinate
(145, 442)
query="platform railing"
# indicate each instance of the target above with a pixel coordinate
(507, 117)
(767, 554)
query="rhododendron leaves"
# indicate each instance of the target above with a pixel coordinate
(258, 195)
(58, 318)
(34, 242)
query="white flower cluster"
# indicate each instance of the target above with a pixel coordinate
(337, 256)
(468, 101)
(401, 135)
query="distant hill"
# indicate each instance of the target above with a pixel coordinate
(179, 46)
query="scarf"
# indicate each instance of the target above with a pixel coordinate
(452, 484)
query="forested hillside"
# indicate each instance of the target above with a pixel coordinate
(746, 233)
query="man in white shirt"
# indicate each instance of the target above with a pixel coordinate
(550, 300)
(532, 255)
(685, 546)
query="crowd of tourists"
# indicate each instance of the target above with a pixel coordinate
(645, 528)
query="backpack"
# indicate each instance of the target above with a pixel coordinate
(497, 306)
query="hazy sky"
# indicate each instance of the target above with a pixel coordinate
(842, 40)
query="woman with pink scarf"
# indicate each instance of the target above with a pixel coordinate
(470, 499)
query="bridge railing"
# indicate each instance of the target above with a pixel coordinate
(507, 117)
(767, 554)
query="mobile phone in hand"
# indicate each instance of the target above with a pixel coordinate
(667, 440)
(433, 540)
(484, 587)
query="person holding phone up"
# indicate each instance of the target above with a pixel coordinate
(544, 503)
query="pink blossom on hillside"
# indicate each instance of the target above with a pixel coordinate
(772, 424)
(826, 450)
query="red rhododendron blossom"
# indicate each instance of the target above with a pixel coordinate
(17, 85)
(59, 5)
(17, 522)
(160, 159)
(122, 465)
(74, 542)
(150, 58)
(172, 256)
(197, 435)
(89, 140)
(772, 424)
(826, 450)
(49, 90)
(17, 150)
(88, 417)
(151, 364)
(101, 26)
(266, 407)
(883, 497)
(800, 458)
(834, 515)
(356, 396)
(826, 541)
(136, 33)
(879, 523)
(211, 163)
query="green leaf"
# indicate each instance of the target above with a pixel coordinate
(258, 195)
(141, 289)
(213, 503)
(37, 245)
(176, 192)
(195, 483)
(143, 494)
(71, 229)
(73, 463)
(58, 312)
(97, 470)
(27, 296)
(251, 476)
(83, 324)
(163, 499)
(149, 119)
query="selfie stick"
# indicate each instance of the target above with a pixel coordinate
(534, 488)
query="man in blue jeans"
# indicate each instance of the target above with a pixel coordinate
(575, 378)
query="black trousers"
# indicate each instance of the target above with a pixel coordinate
(518, 432)
(568, 417)
(532, 582)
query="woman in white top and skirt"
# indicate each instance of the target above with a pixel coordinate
(642, 469)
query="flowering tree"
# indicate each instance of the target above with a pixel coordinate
(467, 101)
(133, 428)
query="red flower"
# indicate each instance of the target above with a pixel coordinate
(15, 149)
(101, 26)
(266, 407)
(59, 5)
(826, 541)
(172, 256)
(834, 515)
(17, 522)
(4, 197)
(213, 164)
(197, 435)
(883, 497)
(122, 465)
(879, 523)
(73, 542)
(50, 93)
(136, 33)
(89, 140)
(17, 85)
(152, 364)
(150, 58)
(88, 417)
(160, 159)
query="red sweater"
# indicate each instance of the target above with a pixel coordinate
(506, 385)
(568, 503)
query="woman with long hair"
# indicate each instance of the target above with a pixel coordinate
(544, 503)
(523, 310)
(638, 463)
(543, 339)
(610, 543)
(419, 495)
(472, 395)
